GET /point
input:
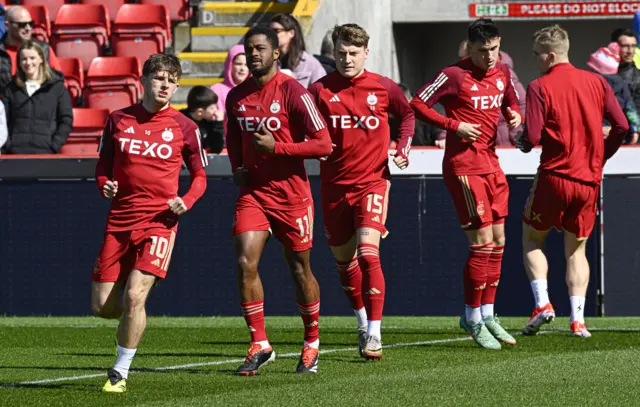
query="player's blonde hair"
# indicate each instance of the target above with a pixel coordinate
(553, 39)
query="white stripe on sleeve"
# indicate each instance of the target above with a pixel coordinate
(311, 109)
(431, 89)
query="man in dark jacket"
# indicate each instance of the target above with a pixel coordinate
(202, 109)
(627, 41)
(19, 28)
(326, 53)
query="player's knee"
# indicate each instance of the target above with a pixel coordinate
(247, 265)
(299, 270)
(135, 297)
(103, 310)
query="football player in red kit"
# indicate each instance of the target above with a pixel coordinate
(141, 153)
(474, 92)
(355, 178)
(273, 125)
(565, 108)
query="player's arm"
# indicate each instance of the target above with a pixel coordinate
(233, 137)
(400, 108)
(104, 168)
(619, 125)
(511, 104)
(536, 113)
(195, 159)
(306, 116)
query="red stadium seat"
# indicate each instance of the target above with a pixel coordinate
(73, 77)
(42, 22)
(111, 5)
(52, 5)
(179, 10)
(79, 146)
(113, 83)
(88, 123)
(82, 31)
(141, 30)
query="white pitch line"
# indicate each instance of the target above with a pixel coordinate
(223, 362)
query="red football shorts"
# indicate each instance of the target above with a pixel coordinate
(479, 199)
(561, 203)
(293, 228)
(145, 250)
(346, 209)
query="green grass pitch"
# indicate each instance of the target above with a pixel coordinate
(427, 362)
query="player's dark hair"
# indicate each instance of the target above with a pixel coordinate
(351, 33)
(201, 97)
(622, 32)
(482, 31)
(162, 62)
(292, 58)
(271, 35)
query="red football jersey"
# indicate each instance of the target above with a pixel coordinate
(357, 113)
(564, 113)
(146, 152)
(286, 108)
(472, 96)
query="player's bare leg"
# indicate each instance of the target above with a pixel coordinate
(106, 299)
(130, 329)
(351, 280)
(536, 266)
(577, 281)
(308, 299)
(475, 281)
(248, 248)
(373, 288)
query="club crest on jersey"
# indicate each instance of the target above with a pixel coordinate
(167, 135)
(499, 84)
(275, 107)
(480, 208)
(372, 99)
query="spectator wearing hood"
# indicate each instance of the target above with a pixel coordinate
(605, 61)
(235, 72)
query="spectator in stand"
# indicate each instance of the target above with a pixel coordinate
(235, 72)
(19, 29)
(628, 43)
(4, 133)
(202, 109)
(306, 69)
(326, 58)
(424, 133)
(605, 61)
(37, 105)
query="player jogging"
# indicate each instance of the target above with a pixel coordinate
(270, 116)
(141, 152)
(355, 178)
(474, 91)
(565, 108)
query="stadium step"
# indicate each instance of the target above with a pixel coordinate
(216, 38)
(202, 63)
(219, 13)
(188, 82)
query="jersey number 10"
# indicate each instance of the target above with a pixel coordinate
(159, 246)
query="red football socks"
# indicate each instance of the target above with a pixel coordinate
(253, 313)
(475, 273)
(373, 285)
(310, 314)
(351, 280)
(493, 275)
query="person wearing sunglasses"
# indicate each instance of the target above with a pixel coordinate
(19, 26)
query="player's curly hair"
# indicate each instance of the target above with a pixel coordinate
(482, 31)
(351, 33)
(553, 39)
(271, 35)
(162, 62)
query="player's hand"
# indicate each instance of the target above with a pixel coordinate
(326, 157)
(177, 206)
(520, 144)
(469, 131)
(606, 130)
(110, 189)
(441, 143)
(218, 115)
(514, 118)
(263, 141)
(400, 160)
(241, 176)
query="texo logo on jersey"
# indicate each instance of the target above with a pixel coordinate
(256, 123)
(355, 122)
(135, 147)
(487, 102)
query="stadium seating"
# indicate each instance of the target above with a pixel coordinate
(42, 22)
(112, 83)
(73, 77)
(111, 5)
(74, 147)
(82, 31)
(141, 30)
(179, 10)
(52, 5)
(88, 123)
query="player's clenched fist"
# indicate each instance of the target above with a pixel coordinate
(514, 118)
(326, 157)
(400, 160)
(177, 206)
(110, 189)
(468, 131)
(263, 141)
